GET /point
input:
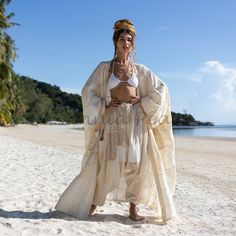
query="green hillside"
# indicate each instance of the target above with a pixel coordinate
(41, 102)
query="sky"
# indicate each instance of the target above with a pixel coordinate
(189, 44)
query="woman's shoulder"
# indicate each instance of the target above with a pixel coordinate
(141, 68)
(105, 63)
(146, 74)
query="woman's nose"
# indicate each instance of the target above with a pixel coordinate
(126, 42)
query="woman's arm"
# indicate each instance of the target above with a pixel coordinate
(156, 103)
(93, 104)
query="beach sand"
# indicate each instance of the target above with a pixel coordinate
(38, 162)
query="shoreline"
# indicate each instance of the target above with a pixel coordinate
(232, 139)
(70, 137)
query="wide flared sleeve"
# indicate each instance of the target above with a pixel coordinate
(76, 200)
(93, 100)
(93, 104)
(155, 103)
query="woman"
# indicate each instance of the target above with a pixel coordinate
(128, 136)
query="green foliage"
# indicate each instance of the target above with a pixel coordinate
(40, 110)
(7, 56)
(42, 102)
(5, 115)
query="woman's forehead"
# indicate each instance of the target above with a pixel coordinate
(125, 35)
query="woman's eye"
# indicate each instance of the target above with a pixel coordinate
(122, 39)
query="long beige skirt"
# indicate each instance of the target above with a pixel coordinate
(124, 169)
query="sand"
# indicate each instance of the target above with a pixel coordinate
(38, 162)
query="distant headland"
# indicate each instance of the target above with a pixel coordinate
(179, 119)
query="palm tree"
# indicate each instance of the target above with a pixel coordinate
(7, 56)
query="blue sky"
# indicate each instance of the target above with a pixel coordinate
(189, 44)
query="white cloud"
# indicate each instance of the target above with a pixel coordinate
(225, 94)
(217, 96)
(208, 93)
(219, 69)
(164, 28)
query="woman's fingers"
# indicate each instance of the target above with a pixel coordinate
(115, 102)
(134, 100)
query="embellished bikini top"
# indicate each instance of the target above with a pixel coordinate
(113, 81)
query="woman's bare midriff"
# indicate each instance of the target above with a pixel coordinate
(123, 92)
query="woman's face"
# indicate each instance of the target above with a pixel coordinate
(124, 43)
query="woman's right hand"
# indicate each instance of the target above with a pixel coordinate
(114, 103)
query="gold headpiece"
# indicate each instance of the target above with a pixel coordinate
(124, 24)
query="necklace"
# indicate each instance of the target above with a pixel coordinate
(122, 71)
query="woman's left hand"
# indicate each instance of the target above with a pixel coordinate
(135, 99)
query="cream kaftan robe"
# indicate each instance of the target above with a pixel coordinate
(129, 152)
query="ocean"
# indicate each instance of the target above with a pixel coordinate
(224, 131)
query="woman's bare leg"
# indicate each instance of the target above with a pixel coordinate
(92, 210)
(133, 213)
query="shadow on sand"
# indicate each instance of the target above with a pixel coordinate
(125, 219)
(28, 215)
(35, 215)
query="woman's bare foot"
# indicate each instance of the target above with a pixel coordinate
(133, 213)
(92, 210)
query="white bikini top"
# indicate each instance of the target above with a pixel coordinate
(113, 81)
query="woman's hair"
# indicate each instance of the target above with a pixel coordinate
(121, 26)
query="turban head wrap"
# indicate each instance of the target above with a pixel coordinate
(124, 25)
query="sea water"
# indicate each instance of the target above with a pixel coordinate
(227, 131)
